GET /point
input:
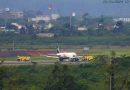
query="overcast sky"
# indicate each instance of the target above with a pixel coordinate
(65, 7)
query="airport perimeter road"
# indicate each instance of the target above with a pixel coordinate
(47, 62)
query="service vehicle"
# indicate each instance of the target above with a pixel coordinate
(23, 58)
(87, 58)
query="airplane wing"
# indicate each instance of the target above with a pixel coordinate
(51, 56)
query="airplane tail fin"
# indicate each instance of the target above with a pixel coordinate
(58, 50)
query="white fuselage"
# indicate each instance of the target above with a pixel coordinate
(69, 55)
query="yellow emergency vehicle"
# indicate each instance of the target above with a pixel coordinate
(87, 57)
(23, 58)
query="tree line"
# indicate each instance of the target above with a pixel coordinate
(103, 73)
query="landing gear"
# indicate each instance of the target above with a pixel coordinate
(61, 59)
(74, 60)
(69, 59)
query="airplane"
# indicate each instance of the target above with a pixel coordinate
(66, 56)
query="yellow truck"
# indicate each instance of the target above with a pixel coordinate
(87, 57)
(23, 58)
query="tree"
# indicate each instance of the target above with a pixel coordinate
(3, 74)
(60, 79)
(123, 71)
(108, 67)
(85, 17)
(119, 26)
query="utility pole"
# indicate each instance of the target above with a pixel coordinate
(112, 72)
(112, 75)
(6, 15)
(70, 21)
(13, 46)
(73, 15)
(5, 22)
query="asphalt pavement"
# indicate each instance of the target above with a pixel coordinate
(41, 62)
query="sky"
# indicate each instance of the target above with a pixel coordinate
(66, 7)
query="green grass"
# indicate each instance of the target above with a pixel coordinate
(119, 52)
(106, 51)
(34, 58)
(95, 50)
(8, 59)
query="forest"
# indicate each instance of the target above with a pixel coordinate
(103, 73)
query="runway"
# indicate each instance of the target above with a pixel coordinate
(45, 62)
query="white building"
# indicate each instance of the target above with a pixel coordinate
(11, 14)
(48, 26)
(55, 16)
(45, 35)
(125, 19)
(18, 14)
(83, 28)
(40, 18)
